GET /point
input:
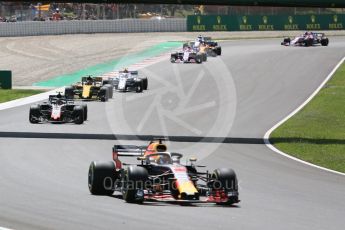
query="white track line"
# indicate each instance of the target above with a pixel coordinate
(45, 95)
(29, 100)
(1, 228)
(268, 133)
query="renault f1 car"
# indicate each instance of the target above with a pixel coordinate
(159, 176)
(90, 88)
(58, 109)
(129, 81)
(307, 39)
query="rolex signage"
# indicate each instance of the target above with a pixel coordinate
(336, 24)
(313, 22)
(219, 26)
(290, 24)
(198, 26)
(265, 25)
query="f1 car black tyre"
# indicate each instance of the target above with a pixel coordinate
(204, 57)
(145, 83)
(104, 93)
(110, 91)
(226, 179)
(69, 92)
(173, 58)
(324, 42)
(139, 87)
(286, 41)
(78, 113)
(308, 42)
(34, 114)
(85, 111)
(102, 177)
(219, 51)
(212, 53)
(134, 178)
(198, 58)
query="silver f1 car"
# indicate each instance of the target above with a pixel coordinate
(188, 55)
(160, 176)
(58, 109)
(307, 39)
(129, 81)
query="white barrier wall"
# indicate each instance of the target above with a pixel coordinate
(96, 26)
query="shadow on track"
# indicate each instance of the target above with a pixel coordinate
(174, 204)
(91, 136)
(307, 140)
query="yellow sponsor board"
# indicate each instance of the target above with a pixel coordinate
(313, 26)
(246, 27)
(335, 26)
(266, 27)
(220, 27)
(291, 27)
(199, 27)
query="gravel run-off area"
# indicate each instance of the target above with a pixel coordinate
(38, 58)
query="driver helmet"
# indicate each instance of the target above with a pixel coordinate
(59, 102)
(163, 159)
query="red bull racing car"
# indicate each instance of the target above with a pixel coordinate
(159, 176)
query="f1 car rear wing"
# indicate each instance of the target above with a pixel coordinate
(53, 98)
(132, 72)
(128, 150)
(319, 34)
(159, 139)
(94, 79)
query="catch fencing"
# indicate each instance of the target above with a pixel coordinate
(10, 29)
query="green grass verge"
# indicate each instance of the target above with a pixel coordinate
(317, 133)
(12, 94)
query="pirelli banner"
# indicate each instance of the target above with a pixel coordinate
(265, 23)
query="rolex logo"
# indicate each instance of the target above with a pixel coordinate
(335, 18)
(313, 18)
(198, 19)
(219, 19)
(244, 19)
(290, 18)
(265, 19)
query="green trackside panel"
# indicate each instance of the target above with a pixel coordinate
(322, 22)
(5, 79)
(265, 22)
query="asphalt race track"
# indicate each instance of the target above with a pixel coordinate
(233, 99)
